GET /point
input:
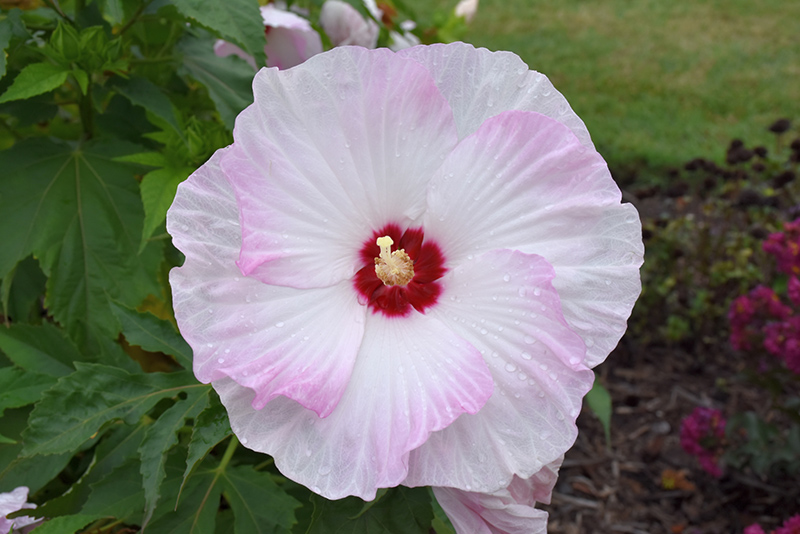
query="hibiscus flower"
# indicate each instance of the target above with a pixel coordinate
(402, 269)
(290, 40)
(14, 501)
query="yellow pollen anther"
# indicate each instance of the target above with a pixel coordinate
(393, 268)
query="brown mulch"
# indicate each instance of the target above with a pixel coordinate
(645, 483)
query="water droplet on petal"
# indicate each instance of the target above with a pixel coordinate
(221, 360)
(279, 324)
(506, 277)
(537, 291)
(526, 356)
(530, 340)
(510, 367)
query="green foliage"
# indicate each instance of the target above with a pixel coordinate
(406, 510)
(599, 401)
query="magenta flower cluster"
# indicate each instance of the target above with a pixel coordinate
(790, 526)
(762, 318)
(702, 435)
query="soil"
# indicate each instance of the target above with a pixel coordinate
(622, 488)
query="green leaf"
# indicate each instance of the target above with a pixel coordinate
(196, 511)
(121, 495)
(35, 79)
(66, 524)
(401, 509)
(158, 191)
(44, 348)
(152, 334)
(15, 470)
(80, 404)
(80, 213)
(228, 80)
(142, 92)
(237, 21)
(259, 505)
(118, 495)
(22, 289)
(118, 445)
(160, 438)
(211, 427)
(82, 78)
(20, 388)
(599, 401)
(153, 159)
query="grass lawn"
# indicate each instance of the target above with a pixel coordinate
(656, 82)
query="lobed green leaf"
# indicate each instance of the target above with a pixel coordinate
(237, 21)
(400, 509)
(80, 213)
(80, 404)
(259, 505)
(211, 427)
(42, 348)
(160, 437)
(153, 334)
(228, 80)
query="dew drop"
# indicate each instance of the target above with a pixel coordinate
(324, 470)
(243, 441)
(537, 291)
(506, 277)
(608, 282)
(530, 340)
(221, 360)
(510, 367)
(279, 325)
(526, 356)
(522, 291)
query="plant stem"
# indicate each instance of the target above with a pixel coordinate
(226, 458)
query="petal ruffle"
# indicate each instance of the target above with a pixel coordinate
(503, 304)
(274, 340)
(329, 151)
(524, 181)
(479, 84)
(412, 377)
(506, 511)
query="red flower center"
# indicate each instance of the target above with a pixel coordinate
(420, 293)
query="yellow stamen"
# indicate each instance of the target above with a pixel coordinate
(393, 268)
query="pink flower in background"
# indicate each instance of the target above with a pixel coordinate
(783, 340)
(749, 314)
(702, 435)
(785, 246)
(790, 526)
(344, 25)
(402, 270)
(14, 501)
(290, 40)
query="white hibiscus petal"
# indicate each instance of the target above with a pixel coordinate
(479, 84)
(412, 377)
(523, 181)
(275, 340)
(330, 151)
(490, 513)
(503, 303)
